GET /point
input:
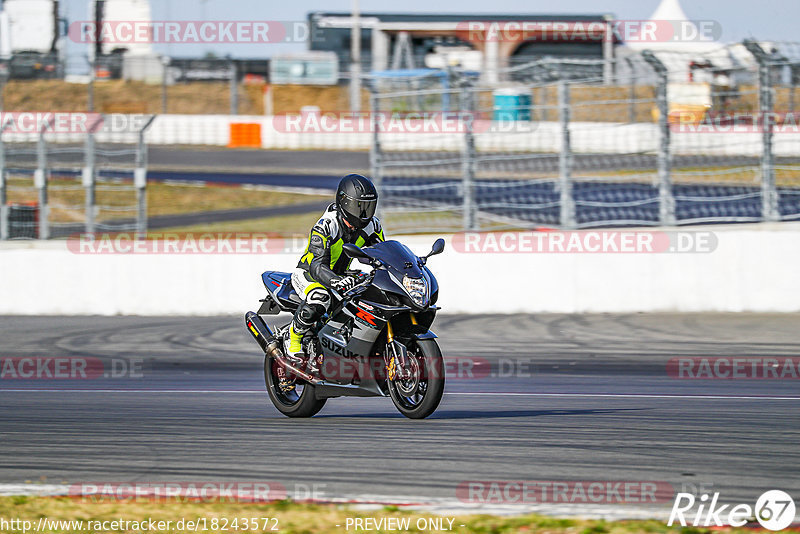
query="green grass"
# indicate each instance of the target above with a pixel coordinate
(302, 518)
(162, 199)
(286, 225)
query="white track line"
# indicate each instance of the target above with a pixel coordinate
(486, 394)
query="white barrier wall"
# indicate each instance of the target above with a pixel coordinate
(752, 269)
(586, 137)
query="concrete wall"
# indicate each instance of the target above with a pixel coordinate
(586, 137)
(751, 269)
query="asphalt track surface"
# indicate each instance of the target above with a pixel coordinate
(337, 162)
(321, 169)
(567, 397)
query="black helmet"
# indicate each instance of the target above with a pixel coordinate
(356, 200)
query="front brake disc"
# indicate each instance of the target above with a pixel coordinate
(409, 386)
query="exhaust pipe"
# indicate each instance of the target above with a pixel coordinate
(262, 334)
(272, 346)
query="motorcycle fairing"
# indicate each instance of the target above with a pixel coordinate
(279, 286)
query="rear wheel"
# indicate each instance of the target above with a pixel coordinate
(419, 395)
(291, 396)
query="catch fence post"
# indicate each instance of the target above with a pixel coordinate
(3, 196)
(375, 157)
(234, 89)
(140, 180)
(165, 61)
(666, 203)
(90, 85)
(567, 202)
(40, 182)
(769, 194)
(90, 174)
(468, 159)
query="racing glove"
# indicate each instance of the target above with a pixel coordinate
(343, 284)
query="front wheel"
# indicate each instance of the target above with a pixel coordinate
(292, 397)
(418, 396)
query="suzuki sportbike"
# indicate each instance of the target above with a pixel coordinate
(375, 340)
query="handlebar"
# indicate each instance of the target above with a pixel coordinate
(362, 279)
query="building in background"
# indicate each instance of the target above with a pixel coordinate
(394, 40)
(133, 60)
(31, 38)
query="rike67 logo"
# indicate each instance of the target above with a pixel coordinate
(774, 510)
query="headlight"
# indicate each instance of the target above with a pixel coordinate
(417, 289)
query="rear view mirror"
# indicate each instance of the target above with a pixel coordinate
(438, 247)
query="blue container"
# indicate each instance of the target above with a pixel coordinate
(512, 105)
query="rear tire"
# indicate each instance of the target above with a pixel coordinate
(293, 403)
(432, 369)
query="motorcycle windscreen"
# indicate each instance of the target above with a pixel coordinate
(397, 256)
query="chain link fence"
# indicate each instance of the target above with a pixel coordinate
(63, 184)
(782, 68)
(663, 138)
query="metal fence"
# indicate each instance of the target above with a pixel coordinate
(51, 189)
(663, 138)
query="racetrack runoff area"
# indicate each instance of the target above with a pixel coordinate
(539, 387)
(567, 415)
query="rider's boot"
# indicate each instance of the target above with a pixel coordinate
(293, 346)
(293, 350)
(303, 321)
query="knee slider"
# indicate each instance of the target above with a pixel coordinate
(318, 298)
(307, 315)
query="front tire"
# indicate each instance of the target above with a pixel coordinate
(300, 401)
(431, 369)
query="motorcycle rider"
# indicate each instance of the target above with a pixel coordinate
(349, 219)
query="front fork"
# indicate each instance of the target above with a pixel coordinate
(396, 354)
